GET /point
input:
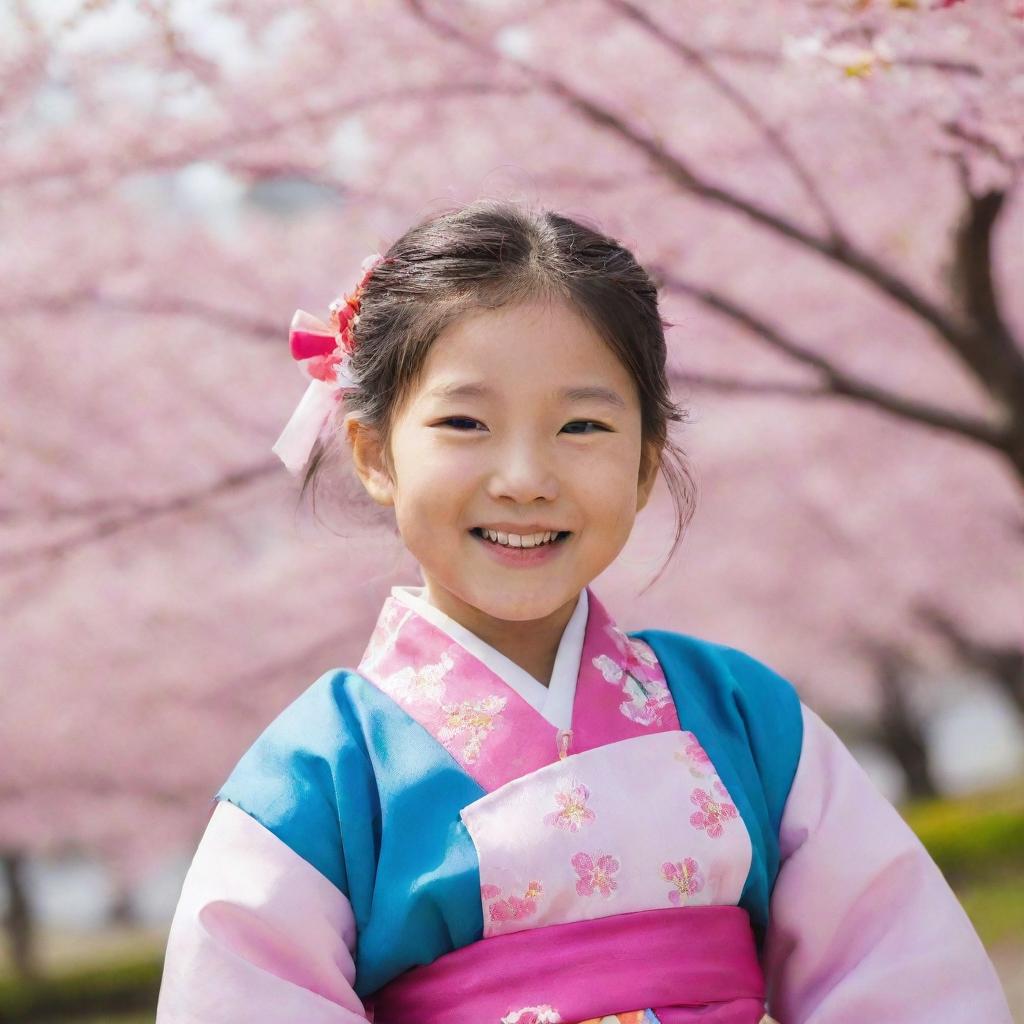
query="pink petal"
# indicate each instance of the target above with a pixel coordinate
(500, 911)
(582, 863)
(518, 907)
(585, 887)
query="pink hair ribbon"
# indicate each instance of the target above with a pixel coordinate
(324, 354)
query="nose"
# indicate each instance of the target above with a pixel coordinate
(523, 473)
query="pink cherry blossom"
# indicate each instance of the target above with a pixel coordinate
(595, 875)
(512, 908)
(711, 813)
(697, 753)
(686, 878)
(574, 813)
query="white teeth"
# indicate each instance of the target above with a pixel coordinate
(517, 540)
(534, 540)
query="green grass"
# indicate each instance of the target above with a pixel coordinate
(978, 842)
(973, 838)
(996, 908)
(120, 988)
(132, 1018)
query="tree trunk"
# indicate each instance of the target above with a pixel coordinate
(901, 732)
(1002, 664)
(18, 924)
(122, 908)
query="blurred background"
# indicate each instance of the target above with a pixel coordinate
(829, 194)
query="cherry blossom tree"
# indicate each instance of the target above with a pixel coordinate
(827, 192)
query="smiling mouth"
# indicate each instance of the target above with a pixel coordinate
(492, 537)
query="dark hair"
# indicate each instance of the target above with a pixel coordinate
(486, 255)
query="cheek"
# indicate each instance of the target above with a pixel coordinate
(610, 493)
(432, 488)
(610, 473)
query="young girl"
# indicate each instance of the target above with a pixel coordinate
(511, 811)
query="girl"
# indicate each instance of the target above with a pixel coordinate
(512, 811)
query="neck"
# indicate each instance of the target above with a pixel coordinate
(531, 644)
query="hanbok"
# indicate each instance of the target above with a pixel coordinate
(665, 834)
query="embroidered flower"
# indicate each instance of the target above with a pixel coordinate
(574, 813)
(642, 651)
(611, 670)
(637, 672)
(512, 908)
(475, 719)
(711, 813)
(424, 684)
(685, 877)
(697, 753)
(595, 875)
(385, 635)
(696, 759)
(635, 656)
(543, 1014)
(644, 700)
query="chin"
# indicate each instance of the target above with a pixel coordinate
(519, 608)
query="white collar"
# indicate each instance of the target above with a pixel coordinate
(553, 701)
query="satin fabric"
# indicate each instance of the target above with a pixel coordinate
(336, 861)
(695, 964)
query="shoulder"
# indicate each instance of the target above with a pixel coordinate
(730, 670)
(301, 771)
(746, 705)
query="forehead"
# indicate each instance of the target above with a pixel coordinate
(540, 344)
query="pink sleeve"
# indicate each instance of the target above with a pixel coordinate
(863, 926)
(258, 936)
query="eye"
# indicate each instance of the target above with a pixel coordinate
(460, 423)
(584, 423)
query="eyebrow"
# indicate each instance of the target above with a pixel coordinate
(588, 392)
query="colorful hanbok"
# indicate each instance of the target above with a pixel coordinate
(664, 834)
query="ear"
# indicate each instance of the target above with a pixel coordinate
(368, 458)
(649, 460)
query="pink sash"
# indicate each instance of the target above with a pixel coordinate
(685, 963)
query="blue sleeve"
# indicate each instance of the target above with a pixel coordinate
(305, 774)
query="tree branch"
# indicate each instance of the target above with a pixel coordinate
(835, 380)
(256, 132)
(693, 57)
(222, 319)
(138, 515)
(990, 349)
(835, 249)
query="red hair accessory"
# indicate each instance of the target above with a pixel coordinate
(324, 353)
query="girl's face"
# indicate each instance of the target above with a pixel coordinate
(522, 422)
